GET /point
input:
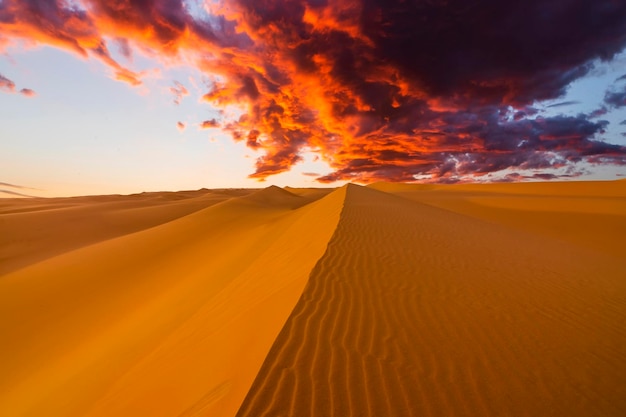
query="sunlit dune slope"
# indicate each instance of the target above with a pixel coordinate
(419, 311)
(386, 300)
(172, 320)
(37, 229)
(590, 214)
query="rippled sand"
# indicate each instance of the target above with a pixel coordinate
(386, 300)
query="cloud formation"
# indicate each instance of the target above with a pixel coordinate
(15, 193)
(563, 104)
(179, 91)
(21, 187)
(209, 124)
(59, 23)
(616, 98)
(27, 92)
(8, 86)
(381, 90)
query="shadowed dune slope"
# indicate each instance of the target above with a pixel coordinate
(174, 320)
(312, 193)
(589, 214)
(418, 311)
(615, 188)
(32, 230)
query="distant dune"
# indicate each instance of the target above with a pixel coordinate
(386, 300)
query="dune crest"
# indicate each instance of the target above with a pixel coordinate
(386, 300)
(418, 311)
(184, 312)
(589, 214)
(38, 229)
(276, 197)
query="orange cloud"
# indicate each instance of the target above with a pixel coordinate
(209, 124)
(6, 85)
(27, 92)
(362, 84)
(179, 91)
(58, 24)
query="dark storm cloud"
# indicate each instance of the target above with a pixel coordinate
(512, 51)
(563, 104)
(616, 98)
(380, 89)
(408, 85)
(491, 146)
(598, 112)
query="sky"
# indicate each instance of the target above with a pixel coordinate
(123, 96)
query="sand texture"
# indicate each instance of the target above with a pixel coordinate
(386, 300)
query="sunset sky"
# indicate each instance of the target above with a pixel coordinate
(121, 96)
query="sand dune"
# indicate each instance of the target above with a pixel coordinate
(387, 300)
(589, 214)
(37, 229)
(312, 193)
(417, 311)
(184, 312)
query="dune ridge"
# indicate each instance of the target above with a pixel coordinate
(418, 311)
(590, 214)
(386, 300)
(184, 312)
(37, 229)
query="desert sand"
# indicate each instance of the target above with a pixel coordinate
(385, 300)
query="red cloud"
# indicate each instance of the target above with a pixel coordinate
(209, 124)
(380, 90)
(27, 92)
(179, 91)
(6, 85)
(56, 23)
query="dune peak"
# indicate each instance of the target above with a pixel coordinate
(275, 196)
(248, 299)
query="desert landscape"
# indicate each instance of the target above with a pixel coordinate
(392, 299)
(312, 208)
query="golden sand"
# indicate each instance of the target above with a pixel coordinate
(387, 300)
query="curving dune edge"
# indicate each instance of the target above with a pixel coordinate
(386, 300)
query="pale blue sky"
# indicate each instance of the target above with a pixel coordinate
(319, 82)
(85, 133)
